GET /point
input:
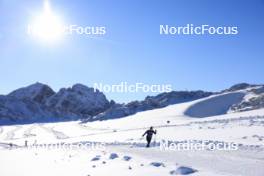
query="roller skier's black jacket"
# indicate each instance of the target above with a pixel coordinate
(149, 133)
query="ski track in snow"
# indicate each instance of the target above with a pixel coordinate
(57, 134)
(28, 132)
(86, 127)
(251, 121)
(11, 134)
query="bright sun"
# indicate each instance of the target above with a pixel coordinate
(47, 26)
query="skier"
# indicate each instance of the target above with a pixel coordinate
(149, 134)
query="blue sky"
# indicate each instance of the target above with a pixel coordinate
(132, 49)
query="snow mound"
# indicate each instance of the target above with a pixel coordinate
(182, 170)
(157, 164)
(96, 158)
(127, 158)
(215, 105)
(113, 156)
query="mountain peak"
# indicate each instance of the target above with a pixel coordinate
(79, 99)
(82, 88)
(240, 86)
(37, 92)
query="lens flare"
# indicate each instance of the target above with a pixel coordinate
(46, 26)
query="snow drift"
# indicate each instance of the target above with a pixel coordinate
(215, 105)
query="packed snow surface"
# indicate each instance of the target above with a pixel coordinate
(123, 151)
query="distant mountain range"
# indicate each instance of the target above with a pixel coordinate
(39, 103)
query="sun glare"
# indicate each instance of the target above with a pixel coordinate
(47, 26)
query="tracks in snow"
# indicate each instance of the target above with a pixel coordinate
(57, 134)
(11, 134)
(249, 121)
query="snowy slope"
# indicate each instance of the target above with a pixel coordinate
(207, 119)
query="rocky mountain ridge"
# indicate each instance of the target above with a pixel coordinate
(38, 102)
